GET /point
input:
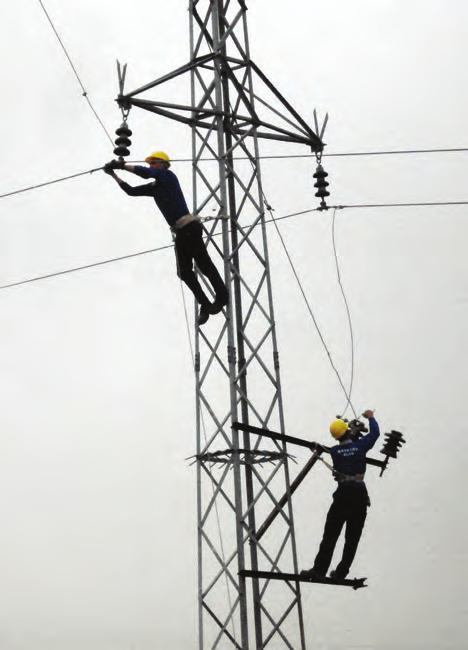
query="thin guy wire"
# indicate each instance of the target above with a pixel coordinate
(351, 334)
(221, 541)
(325, 347)
(84, 93)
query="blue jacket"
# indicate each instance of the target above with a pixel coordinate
(350, 457)
(164, 189)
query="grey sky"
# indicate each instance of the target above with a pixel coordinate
(97, 506)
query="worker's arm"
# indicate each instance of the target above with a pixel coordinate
(368, 441)
(140, 190)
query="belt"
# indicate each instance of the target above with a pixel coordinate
(346, 478)
(183, 221)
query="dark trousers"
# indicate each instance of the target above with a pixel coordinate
(189, 248)
(349, 507)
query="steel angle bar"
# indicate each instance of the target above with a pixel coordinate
(277, 626)
(238, 143)
(228, 620)
(254, 355)
(273, 498)
(290, 122)
(220, 574)
(222, 492)
(204, 33)
(218, 433)
(276, 560)
(245, 234)
(205, 142)
(187, 67)
(285, 103)
(220, 624)
(288, 494)
(274, 435)
(255, 300)
(217, 488)
(260, 494)
(230, 29)
(224, 571)
(251, 294)
(214, 354)
(208, 91)
(220, 430)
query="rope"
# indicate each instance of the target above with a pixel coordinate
(84, 92)
(351, 334)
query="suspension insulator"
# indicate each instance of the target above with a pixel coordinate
(126, 142)
(124, 130)
(393, 441)
(121, 151)
(321, 184)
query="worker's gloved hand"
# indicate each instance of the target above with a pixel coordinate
(115, 164)
(368, 414)
(108, 169)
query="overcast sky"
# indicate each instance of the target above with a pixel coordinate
(97, 506)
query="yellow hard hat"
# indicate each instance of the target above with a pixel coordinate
(338, 428)
(161, 155)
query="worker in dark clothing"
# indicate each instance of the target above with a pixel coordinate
(350, 500)
(189, 245)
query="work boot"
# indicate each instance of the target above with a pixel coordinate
(311, 573)
(203, 314)
(218, 305)
(336, 575)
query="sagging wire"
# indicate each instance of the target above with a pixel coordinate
(348, 313)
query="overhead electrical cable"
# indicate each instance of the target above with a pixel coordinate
(395, 152)
(84, 92)
(309, 308)
(57, 180)
(160, 248)
(348, 313)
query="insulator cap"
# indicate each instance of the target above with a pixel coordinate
(124, 130)
(121, 151)
(125, 141)
(321, 193)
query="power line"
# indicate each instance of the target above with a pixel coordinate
(394, 152)
(84, 92)
(361, 153)
(348, 313)
(57, 180)
(160, 248)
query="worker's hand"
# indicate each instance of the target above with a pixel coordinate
(368, 414)
(115, 164)
(108, 169)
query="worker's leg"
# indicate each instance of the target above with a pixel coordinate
(206, 265)
(354, 526)
(333, 525)
(184, 246)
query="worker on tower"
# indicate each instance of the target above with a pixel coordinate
(189, 245)
(350, 500)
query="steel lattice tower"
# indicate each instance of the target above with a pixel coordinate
(241, 479)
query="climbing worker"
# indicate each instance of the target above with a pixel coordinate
(187, 229)
(350, 500)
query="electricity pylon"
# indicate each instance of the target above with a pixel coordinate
(240, 477)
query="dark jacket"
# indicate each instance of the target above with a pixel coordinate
(350, 457)
(164, 189)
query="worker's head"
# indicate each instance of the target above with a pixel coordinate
(339, 429)
(159, 160)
